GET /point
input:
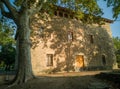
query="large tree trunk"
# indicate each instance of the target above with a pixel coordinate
(21, 18)
(24, 71)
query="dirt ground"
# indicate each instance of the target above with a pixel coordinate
(80, 80)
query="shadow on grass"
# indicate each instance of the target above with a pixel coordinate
(61, 82)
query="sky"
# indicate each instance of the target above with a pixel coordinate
(115, 27)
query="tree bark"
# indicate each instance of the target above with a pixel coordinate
(24, 71)
(21, 18)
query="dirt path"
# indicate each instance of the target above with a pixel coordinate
(83, 80)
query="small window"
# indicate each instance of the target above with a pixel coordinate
(55, 13)
(41, 31)
(70, 36)
(91, 39)
(60, 14)
(103, 60)
(49, 59)
(66, 15)
(71, 16)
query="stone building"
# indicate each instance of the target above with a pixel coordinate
(63, 43)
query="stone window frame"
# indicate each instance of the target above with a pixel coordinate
(70, 36)
(49, 61)
(91, 37)
(41, 31)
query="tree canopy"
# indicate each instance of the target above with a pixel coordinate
(115, 4)
(7, 55)
(7, 52)
(83, 6)
(6, 32)
(116, 41)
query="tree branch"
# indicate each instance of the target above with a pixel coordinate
(6, 14)
(11, 9)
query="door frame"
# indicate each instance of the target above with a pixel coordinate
(82, 60)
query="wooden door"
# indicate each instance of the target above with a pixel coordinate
(79, 61)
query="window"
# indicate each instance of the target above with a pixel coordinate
(66, 15)
(103, 60)
(60, 14)
(91, 39)
(70, 36)
(55, 13)
(41, 31)
(49, 59)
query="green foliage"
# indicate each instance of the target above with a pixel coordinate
(89, 7)
(7, 55)
(7, 51)
(2, 65)
(115, 4)
(116, 41)
(6, 33)
(18, 2)
(87, 11)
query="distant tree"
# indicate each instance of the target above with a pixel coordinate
(7, 55)
(6, 32)
(7, 51)
(116, 41)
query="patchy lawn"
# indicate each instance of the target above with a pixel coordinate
(64, 81)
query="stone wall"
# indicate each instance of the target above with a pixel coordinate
(51, 36)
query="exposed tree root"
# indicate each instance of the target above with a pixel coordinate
(20, 78)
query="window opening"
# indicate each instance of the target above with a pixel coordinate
(70, 36)
(103, 60)
(91, 39)
(49, 59)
